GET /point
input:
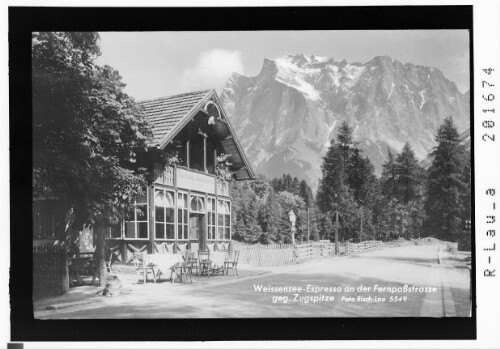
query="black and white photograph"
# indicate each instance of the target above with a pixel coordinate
(251, 174)
(223, 173)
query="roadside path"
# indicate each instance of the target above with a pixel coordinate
(239, 297)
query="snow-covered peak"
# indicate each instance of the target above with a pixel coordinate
(287, 115)
(298, 72)
(311, 74)
(301, 59)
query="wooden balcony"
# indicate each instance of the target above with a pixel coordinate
(189, 179)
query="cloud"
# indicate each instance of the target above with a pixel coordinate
(213, 69)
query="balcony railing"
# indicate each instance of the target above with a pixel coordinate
(186, 178)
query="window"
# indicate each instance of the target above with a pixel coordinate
(197, 204)
(115, 231)
(164, 214)
(223, 220)
(211, 218)
(136, 220)
(182, 216)
(196, 214)
(48, 219)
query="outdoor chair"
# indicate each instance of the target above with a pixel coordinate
(204, 262)
(211, 246)
(181, 247)
(232, 262)
(143, 270)
(218, 269)
(222, 247)
(194, 246)
(186, 267)
(169, 247)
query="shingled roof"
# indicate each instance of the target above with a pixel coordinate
(165, 113)
(168, 115)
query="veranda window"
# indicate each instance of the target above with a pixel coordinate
(223, 220)
(211, 218)
(197, 204)
(164, 214)
(136, 221)
(197, 209)
(115, 231)
(182, 216)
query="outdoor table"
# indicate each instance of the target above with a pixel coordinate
(74, 266)
(164, 261)
(218, 258)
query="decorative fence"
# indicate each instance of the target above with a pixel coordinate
(323, 248)
(265, 255)
(285, 254)
(364, 246)
(50, 271)
(304, 251)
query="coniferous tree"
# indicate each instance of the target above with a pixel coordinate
(467, 194)
(305, 192)
(331, 188)
(408, 179)
(444, 205)
(346, 144)
(344, 134)
(360, 175)
(389, 176)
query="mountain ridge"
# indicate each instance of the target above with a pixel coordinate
(286, 116)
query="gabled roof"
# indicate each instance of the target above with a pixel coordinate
(165, 113)
(168, 116)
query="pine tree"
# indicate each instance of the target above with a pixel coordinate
(467, 194)
(331, 188)
(344, 134)
(360, 175)
(444, 205)
(409, 176)
(305, 193)
(389, 174)
(346, 144)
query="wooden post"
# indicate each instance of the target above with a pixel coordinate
(187, 153)
(64, 271)
(205, 153)
(403, 226)
(292, 217)
(361, 231)
(123, 251)
(308, 232)
(215, 156)
(150, 199)
(337, 232)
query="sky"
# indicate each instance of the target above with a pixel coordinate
(157, 64)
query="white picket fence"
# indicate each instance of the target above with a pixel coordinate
(285, 254)
(265, 255)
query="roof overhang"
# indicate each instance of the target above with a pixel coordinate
(223, 129)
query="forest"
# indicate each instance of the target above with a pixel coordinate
(408, 200)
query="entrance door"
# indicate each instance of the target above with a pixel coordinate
(197, 233)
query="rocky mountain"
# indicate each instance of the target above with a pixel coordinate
(287, 115)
